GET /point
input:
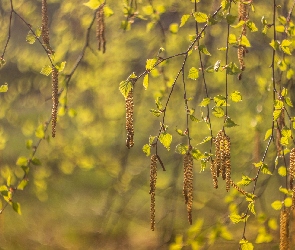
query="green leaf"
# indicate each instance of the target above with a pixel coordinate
(166, 139)
(219, 100)
(236, 218)
(180, 132)
(173, 28)
(40, 131)
(283, 190)
(108, 11)
(205, 102)
(4, 88)
(232, 69)
(282, 171)
(146, 81)
(288, 202)
(22, 184)
(200, 17)
(268, 134)
(146, 149)
(22, 161)
(290, 73)
(193, 118)
(245, 42)
(288, 101)
(232, 39)
(229, 123)
(276, 114)
(251, 208)
(35, 161)
(151, 139)
(225, 4)
(238, 25)
(125, 87)
(246, 245)
(277, 205)
(236, 96)
(274, 44)
(156, 112)
(193, 73)
(251, 26)
(31, 38)
(16, 207)
(92, 4)
(230, 19)
(218, 112)
(204, 50)
(46, 70)
(184, 19)
(29, 144)
(181, 149)
(150, 63)
(246, 180)
(206, 139)
(60, 66)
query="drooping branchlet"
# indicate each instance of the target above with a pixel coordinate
(284, 229)
(44, 27)
(100, 28)
(153, 180)
(54, 74)
(129, 119)
(188, 184)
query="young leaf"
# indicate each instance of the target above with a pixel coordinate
(200, 17)
(236, 96)
(229, 123)
(204, 50)
(4, 88)
(22, 161)
(125, 87)
(245, 42)
(156, 112)
(146, 149)
(288, 101)
(40, 131)
(180, 132)
(205, 102)
(246, 180)
(268, 134)
(22, 184)
(218, 112)
(150, 63)
(92, 4)
(193, 73)
(232, 39)
(146, 81)
(184, 19)
(181, 149)
(16, 207)
(251, 26)
(288, 202)
(46, 70)
(36, 161)
(60, 66)
(173, 28)
(165, 139)
(246, 245)
(276, 205)
(282, 171)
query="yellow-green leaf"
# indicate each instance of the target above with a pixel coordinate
(173, 28)
(146, 149)
(22, 161)
(46, 70)
(245, 42)
(150, 63)
(16, 207)
(282, 171)
(276, 205)
(92, 4)
(165, 139)
(268, 134)
(146, 81)
(236, 96)
(200, 17)
(184, 19)
(193, 73)
(4, 88)
(125, 87)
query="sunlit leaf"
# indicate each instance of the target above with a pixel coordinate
(181, 149)
(165, 139)
(204, 50)
(4, 88)
(205, 102)
(184, 19)
(146, 149)
(268, 134)
(125, 87)
(236, 96)
(193, 73)
(22, 184)
(288, 202)
(60, 66)
(282, 171)
(22, 161)
(150, 63)
(156, 112)
(277, 205)
(40, 133)
(200, 17)
(16, 207)
(146, 81)
(93, 4)
(245, 42)
(173, 28)
(229, 123)
(218, 112)
(46, 70)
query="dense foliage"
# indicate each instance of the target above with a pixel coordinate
(118, 117)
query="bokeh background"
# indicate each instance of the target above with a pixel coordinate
(90, 191)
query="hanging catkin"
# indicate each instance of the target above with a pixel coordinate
(129, 119)
(188, 184)
(153, 180)
(54, 99)
(44, 27)
(100, 28)
(284, 230)
(214, 174)
(292, 175)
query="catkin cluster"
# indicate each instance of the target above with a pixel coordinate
(222, 164)
(188, 184)
(284, 230)
(153, 180)
(44, 27)
(54, 74)
(129, 119)
(100, 28)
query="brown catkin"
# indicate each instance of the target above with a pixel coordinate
(292, 174)
(241, 55)
(293, 198)
(227, 162)
(284, 230)
(129, 119)
(234, 185)
(54, 99)
(100, 29)
(153, 180)
(214, 174)
(188, 184)
(44, 27)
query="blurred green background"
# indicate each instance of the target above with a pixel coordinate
(90, 191)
